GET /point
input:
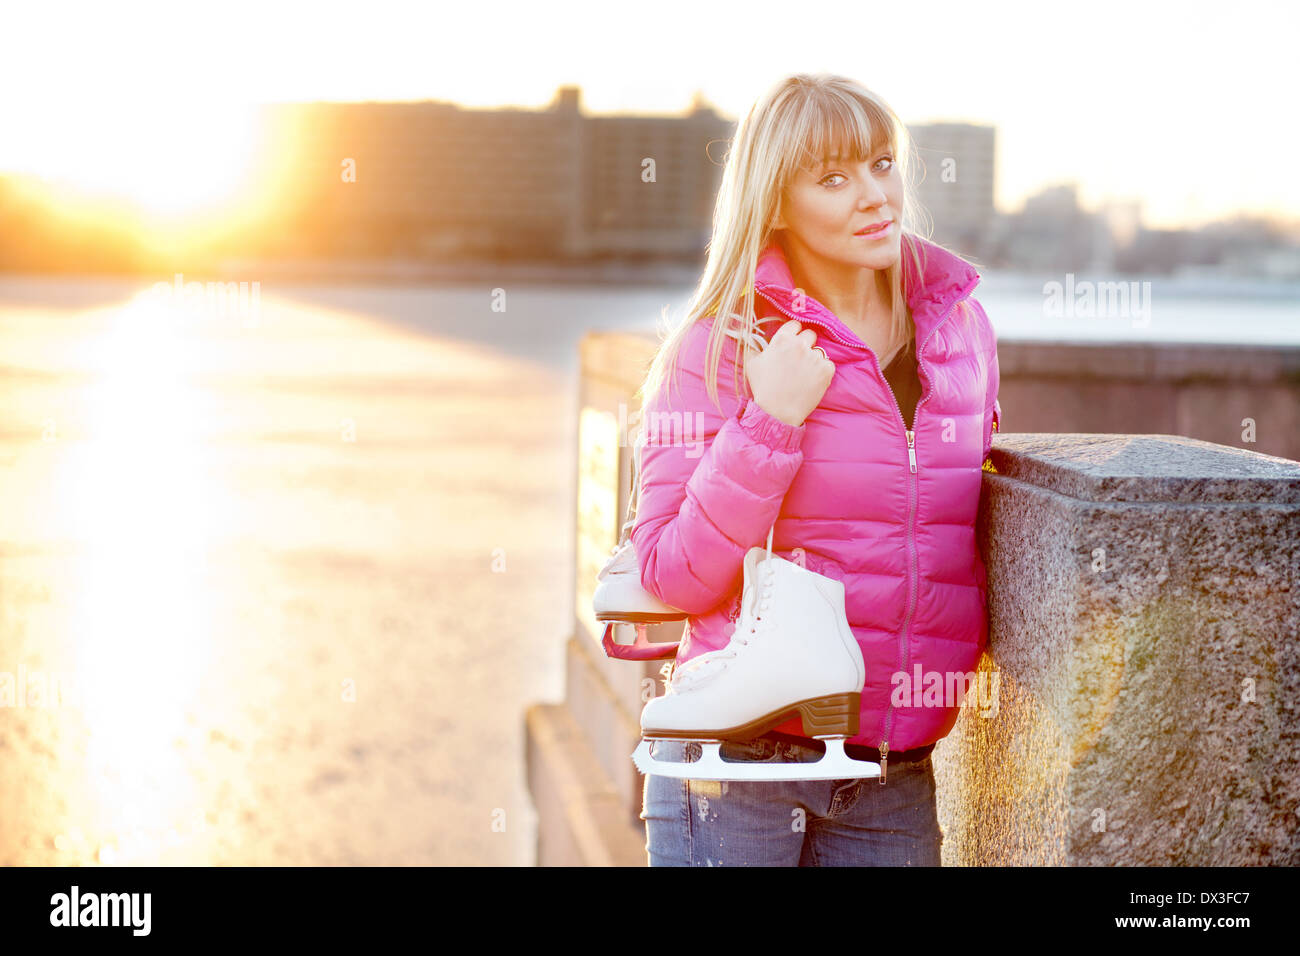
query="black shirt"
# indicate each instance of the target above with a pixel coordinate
(904, 380)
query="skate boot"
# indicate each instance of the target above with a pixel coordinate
(792, 653)
(620, 599)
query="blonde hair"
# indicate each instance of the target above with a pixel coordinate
(800, 121)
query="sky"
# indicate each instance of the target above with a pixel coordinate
(1130, 100)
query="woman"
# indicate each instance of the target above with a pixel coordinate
(860, 430)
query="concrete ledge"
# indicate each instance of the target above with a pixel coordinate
(601, 707)
(581, 818)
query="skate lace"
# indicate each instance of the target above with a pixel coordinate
(749, 625)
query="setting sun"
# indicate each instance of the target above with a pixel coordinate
(167, 162)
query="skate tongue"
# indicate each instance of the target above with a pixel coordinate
(752, 558)
(707, 664)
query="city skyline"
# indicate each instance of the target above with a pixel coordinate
(1132, 134)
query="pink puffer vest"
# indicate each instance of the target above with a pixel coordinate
(893, 520)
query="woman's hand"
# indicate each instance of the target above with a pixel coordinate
(788, 378)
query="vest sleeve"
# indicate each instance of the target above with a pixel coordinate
(711, 483)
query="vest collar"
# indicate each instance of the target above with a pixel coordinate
(932, 290)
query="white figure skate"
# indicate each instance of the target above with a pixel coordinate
(791, 653)
(620, 599)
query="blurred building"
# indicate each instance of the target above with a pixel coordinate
(432, 179)
(956, 182)
(436, 179)
(648, 183)
(1052, 232)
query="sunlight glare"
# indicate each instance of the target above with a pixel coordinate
(139, 496)
(168, 161)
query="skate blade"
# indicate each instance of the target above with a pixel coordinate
(835, 764)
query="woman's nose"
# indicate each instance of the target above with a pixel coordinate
(870, 195)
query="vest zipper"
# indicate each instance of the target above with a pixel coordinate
(913, 494)
(911, 464)
(818, 321)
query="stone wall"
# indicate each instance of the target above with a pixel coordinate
(1143, 625)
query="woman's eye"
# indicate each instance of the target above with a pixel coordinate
(826, 181)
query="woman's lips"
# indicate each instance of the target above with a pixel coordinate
(876, 232)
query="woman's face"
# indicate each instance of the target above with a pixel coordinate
(824, 209)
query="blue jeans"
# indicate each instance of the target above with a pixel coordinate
(790, 822)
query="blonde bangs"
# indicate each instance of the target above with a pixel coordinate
(833, 125)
